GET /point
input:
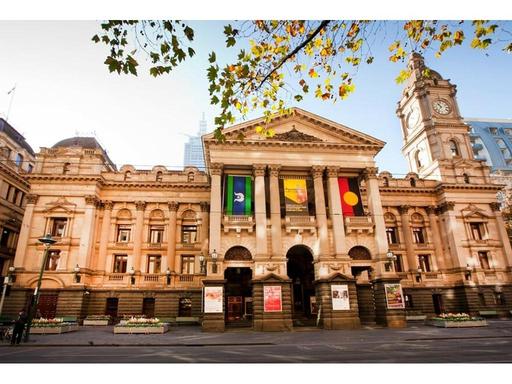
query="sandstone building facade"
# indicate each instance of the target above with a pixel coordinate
(297, 229)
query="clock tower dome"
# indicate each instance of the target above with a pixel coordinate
(436, 139)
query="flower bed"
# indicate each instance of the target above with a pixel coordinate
(141, 325)
(457, 320)
(97, 320)
(51, 326)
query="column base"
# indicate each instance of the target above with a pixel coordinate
(214, 322)
(389, 312)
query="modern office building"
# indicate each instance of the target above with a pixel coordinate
(193, 155)
(297, 229)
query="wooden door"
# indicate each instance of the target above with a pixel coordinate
(111, 307)
(235, 308)
(47, 306)
(148, 307)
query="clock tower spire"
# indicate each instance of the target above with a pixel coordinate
(436, 139)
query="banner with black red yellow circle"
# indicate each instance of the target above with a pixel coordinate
(351, 203)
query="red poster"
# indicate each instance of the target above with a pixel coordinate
(272, 298)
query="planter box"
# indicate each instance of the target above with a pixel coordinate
(458, 324)
(54, 330)
(95, 322)
(143, 330)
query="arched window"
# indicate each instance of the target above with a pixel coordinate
(412, 180)
(454, 148)
(417, 159)
(386, 181)
(466, 178)
(65, 168)
(127, 175)
(159, 176)
(190, 176)
(418, 228)
(19, 159)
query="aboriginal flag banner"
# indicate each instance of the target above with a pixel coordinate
(238, 195)
(351, 203)
(296, 196)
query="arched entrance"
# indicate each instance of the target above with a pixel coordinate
(362, 272)
(238, 287)
(301, 271)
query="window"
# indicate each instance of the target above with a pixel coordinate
(408, 300)
(187, 265)
(65, 168)
(30, 168)
(508, 131)
(418, 158)
(424, 263)
(493, 130)
(52, 262)
(9, 193)
(120, 263)
(466, 178)
(454, 149)
(154, 263)
(483, 257)
(58, 226)
(386, 182)
(412, 181)
(4, 239)
(127, 175)
(418, 235)
(481, 298)
(499, 299)
(188, 234)
(392, 234)
(477, 231)
(190, 176)
(123, 233)
(19, 159)
(159, 176)
(398, 264)
(156, 234)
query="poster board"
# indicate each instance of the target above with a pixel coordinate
(213, 299)
(339, 296)
(394, 296)
(272, 298)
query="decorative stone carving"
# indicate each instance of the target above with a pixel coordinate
(156, 214)
(447, 206)
(140, 205)
(274, 170)
(403, 209)
(216, 169)
(205, 206)
(295, 135)
(107, 204)
(32, 199)
(317, 171)
(259, 169)
(91, 200)
(370, 173)
(359, 253)
(332, 171)
(495, 206)
(173, 205)
(238, 253)
(431, 209)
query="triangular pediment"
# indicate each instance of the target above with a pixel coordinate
(60, 205)
(299, 126)
(472, 211)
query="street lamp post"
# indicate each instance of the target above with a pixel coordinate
(7, 281)
(47, 241)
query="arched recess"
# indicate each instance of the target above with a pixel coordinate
(238, 286)
(238, 253)
(301, 271)
(359, 253)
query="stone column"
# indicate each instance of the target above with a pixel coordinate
(87, 233)
(137, 236)
(105, 229)
(453, 235)
(275, 211)
(171, 237)
(407, 235)
(375, 208)
(507, 249)
(260, 211)
(215, 206)
(321, 213)
(438, 245)
(336, 213)
(26, 224)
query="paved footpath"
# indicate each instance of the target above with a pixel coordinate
(416, 343)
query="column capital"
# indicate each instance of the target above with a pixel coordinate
(107, 204)
(259, 169)
(274, 170)
(205, 206)
(403, 209)
(216, 168)
(32, 198)
(140, 205)
(447, 206)
(173, 206)
(332, 171)
(317, 171)
(370, 173)
(91, 200)
(431, 209)
(496, 207)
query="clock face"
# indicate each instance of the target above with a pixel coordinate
(441, 107)
(413, 118)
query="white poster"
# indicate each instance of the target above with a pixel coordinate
(213, 299)
(340, 300)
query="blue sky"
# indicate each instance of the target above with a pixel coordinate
(63, 88)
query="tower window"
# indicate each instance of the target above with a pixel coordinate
(454, 149)
(159, 176)
(417, 158)
(412, 180)
(466, 178)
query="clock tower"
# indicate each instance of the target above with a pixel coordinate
(436, 139)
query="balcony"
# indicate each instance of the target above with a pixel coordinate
(300, 224)
(358, 224)
(238, 223)
(117, 277)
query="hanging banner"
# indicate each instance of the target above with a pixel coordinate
(213, 299)
(340, 300)
(238, 195)
(296, 196)
(272, 299)
(394, 296)
(351, 203)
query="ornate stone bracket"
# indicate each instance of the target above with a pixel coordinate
(274, 170)
(259, 169)
(216, 169)
(32, 199)
(107, 204)
(91, 200)
(173, 206)
(140, 205)
(317, 171)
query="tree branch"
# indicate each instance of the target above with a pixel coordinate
(322, 25)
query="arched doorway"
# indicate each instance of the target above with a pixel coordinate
(363, 273)
(300, 270)
(238, 287)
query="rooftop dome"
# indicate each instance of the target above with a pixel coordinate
(84, 142)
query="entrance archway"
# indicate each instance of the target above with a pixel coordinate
(300, 270)
(238, 296)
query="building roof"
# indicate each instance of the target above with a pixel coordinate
(84, 142)
(15, 135)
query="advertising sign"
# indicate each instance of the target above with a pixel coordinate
(213, 299)
(272, 299)
(340, 300)
(394, 296)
